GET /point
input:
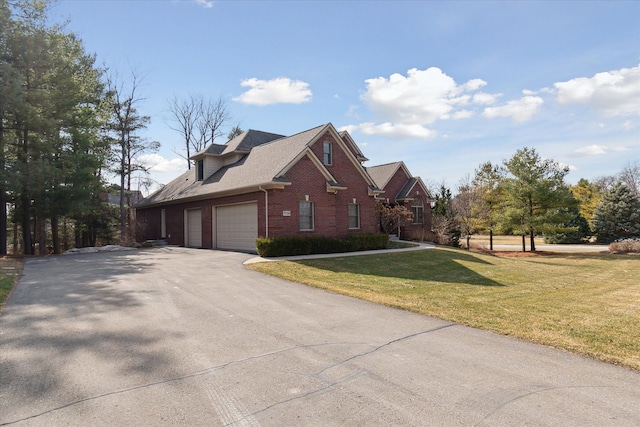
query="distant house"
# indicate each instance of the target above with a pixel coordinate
(401, 188)
(264, 184)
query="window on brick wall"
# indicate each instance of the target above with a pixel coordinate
(328, 153)
(417, 208)
(354, 216)
(306, 215)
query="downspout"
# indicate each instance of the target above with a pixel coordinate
(266, 211)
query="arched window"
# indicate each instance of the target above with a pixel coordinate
(417, 208)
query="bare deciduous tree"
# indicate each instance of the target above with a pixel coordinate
(465, 206)
(198, 121)
(125, 123)
(630, 176)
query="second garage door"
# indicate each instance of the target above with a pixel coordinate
(237, 227)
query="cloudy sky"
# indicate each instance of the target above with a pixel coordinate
(443, 86)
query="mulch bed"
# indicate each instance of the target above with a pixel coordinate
(515, 254)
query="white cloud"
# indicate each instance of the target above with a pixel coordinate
(348, 128)
(463, 114)
(592, 150)
(599, 150)
(205, 3)
(482, 98)
(157, 163)
(405, 105)
(281, 90)
(519, 110)
(614, 93)
(396, 130)
(422, 97)
(352, 111)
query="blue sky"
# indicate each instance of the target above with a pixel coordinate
(442, 86)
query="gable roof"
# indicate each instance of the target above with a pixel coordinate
(382, 174)
(407, 192)
(353, 146)
(264, 166)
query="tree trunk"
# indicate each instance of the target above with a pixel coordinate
(123, 218)
(26, 227)
(15, 238)
(41, 222)
(491, 239)
(55, 237)
(468, 241)
(524, 247)
(533, 244)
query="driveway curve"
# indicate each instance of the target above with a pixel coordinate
(175, 336)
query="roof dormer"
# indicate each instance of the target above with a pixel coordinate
(216, 156)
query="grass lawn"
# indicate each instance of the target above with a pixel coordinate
(9, 271)
(584, 303)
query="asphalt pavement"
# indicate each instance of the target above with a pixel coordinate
(176, 336)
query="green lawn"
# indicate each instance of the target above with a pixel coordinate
(584, 303)
(9, 270)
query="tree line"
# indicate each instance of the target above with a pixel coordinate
(527, 196)
(65, 125)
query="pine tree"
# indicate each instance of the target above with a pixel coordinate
(534, 195)
(618, 215)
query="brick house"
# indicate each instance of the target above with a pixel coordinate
(264, 184)
(401, 188)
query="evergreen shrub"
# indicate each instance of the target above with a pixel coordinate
(306, 245)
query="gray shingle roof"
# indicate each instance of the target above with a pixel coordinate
(242, 143)
(265, 164)
(381, 174)
(249, 139)
(404, 193)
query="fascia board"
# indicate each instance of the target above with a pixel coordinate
(217, 195)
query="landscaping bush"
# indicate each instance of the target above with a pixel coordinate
(625, 246)
(365, 242)
(296, 245)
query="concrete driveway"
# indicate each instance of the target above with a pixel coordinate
(175, 336)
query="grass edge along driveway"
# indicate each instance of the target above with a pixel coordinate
(587, 304)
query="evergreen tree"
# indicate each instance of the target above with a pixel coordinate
(534, 195)
(575, 230)
(618, 215)
(49, 123)
(443, 221)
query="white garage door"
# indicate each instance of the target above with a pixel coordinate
(194, 228)
(237, 227)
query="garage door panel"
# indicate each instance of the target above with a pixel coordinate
(237, 227)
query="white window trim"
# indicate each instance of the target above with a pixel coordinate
(357, 227)
(324, 154)
(312, 216)
(414, 208)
